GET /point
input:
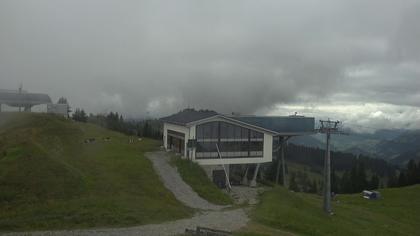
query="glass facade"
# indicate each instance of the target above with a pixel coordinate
(175, 141)
(233, 141)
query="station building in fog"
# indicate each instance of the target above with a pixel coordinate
(23, 100)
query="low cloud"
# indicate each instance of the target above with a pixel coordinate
(153, 58)
(363, 117)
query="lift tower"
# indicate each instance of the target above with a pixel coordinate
(328, 127)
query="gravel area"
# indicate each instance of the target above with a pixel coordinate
(245, 194)
(222, 220)
(173, 181)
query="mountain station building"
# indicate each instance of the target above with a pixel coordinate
(216, 141)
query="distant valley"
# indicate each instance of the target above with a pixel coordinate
(395, 146)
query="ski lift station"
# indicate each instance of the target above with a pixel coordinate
(25, 101)
(216, 141)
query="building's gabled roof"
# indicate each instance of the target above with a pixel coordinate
(14, 98)
(281, 124)
(188, 115)
(277, 125)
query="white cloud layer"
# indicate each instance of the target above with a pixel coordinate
(363, 117)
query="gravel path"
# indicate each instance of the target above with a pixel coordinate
(222, 220)
(173, 181)
(245, 194)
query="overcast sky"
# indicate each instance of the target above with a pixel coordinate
(356, 60)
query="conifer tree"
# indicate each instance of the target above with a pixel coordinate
(293, 185)
(412, 172)
(392, 181)
(334, 182)
(361, 177)
(402, 179)
(313, 187)
(374, 182)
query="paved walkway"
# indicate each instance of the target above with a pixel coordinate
(173, 181)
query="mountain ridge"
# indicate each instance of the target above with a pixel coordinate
(395, 146)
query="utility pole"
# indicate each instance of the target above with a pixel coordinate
(328, 127)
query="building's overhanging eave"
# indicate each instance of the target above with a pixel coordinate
(282, 134)
(251, 125)
(174, 123)
(189, 124)
(192, 123)
(232, 120)
(294, 133)
(271, 132)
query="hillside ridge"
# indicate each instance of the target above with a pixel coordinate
(50, 178)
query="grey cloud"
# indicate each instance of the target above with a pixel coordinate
(156, 57)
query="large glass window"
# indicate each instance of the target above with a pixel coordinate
(233, 141)
(224, 130)
(206, 147)
(256, 135)
(244, 134)
(208, 131)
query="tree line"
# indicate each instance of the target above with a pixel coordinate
(150, 128)
(406, 177)
(341, 161)
(350, 173)
(354, 180)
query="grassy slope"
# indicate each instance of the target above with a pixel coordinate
(396, 214)
(50, 179)
(195, 176)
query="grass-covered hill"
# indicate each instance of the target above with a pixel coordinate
(51, 179)
(282, 212)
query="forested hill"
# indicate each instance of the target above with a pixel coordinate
(402, 148)
(396, 146)
(314, 159)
